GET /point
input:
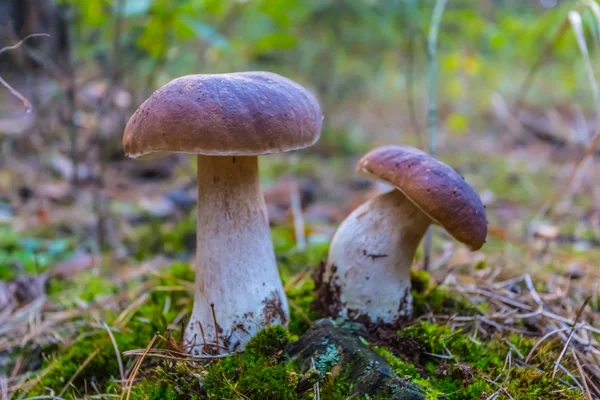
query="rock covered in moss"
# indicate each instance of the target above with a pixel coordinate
(347, 364)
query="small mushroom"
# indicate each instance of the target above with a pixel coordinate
(228, 120)
(367, 274)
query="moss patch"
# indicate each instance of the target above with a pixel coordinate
(473, 370)
(172, 380)
(256, 373)
(91, 358)
(430, 299)
(457, 366)
(170, 239)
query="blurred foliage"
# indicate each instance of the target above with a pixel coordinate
(29, 254)
(341, 48)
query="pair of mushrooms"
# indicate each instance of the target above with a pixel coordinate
(228, 120)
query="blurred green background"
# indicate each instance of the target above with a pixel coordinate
(365, 59)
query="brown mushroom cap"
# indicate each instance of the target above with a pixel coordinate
(437, 189)
(245, 113)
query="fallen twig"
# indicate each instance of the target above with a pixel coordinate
(15, 92)
(562, 353)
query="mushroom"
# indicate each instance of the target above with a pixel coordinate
(367, 273)
(228, 120)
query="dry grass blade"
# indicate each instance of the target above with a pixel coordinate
(577, 25)
(118, 353)
(587, 392)
(562, 353)
(296, 279)
(172, 354)
(316, 388)
(539, 342)
(595, 8)
(136, 368)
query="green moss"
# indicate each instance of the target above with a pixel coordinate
(429, 299)
(268, 342)
(171, 381)
(290, 260)
(336, 386)
(300, 298)
(300, 294)
(88, 287)
(420, 281)
(261, 371)
(255, 373)
(474, 366)
(170, 239)
(102, 369)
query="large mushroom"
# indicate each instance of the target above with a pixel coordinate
(228, 120)
(367, 274)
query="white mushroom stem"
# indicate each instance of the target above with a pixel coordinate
(368, 268)
(236, 272)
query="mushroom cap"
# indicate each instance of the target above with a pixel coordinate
(437, 189)
(235, 114)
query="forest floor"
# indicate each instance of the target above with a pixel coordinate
(95, 287)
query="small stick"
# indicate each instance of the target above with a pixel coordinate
(534, 293)
(172, 354)
(570, 375)
(20, 42)
(212, 308)
(562, 353)
(203, 337)
(296, 207)
(15, 92)
(587, 392)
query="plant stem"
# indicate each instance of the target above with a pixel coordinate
(432, 100)
(415, 34)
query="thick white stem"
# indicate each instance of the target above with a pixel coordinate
(368, 268)
(236, 272)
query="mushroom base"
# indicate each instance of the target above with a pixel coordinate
(367, 274)
(238, 288)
